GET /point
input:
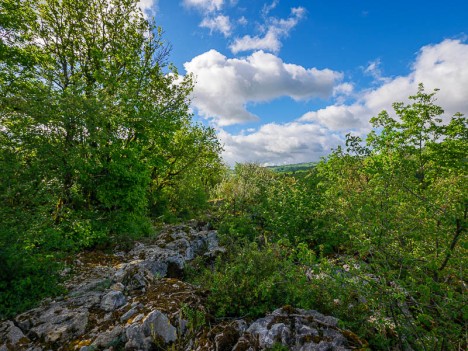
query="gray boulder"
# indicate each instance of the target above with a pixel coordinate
(58, 325)
(155, 328)
(12, 336)
(157, 325)
(136, 340)
(115, 336)
(298, 330)
(173, 248)
(113, 300)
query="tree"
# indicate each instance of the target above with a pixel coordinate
(400, 203)
(90, 111)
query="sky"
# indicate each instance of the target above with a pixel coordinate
(284, 81)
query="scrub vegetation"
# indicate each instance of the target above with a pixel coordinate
(375, 234)
(97, 144)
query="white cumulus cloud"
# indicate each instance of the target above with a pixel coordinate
(205, 5)
(219, 23)
(274, 144)
(338, 117)
(443, 66)
(276, 29)
(224, 85)
(373, 69)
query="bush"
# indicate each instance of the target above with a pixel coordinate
(254, 281)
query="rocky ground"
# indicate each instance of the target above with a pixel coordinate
(136, 300)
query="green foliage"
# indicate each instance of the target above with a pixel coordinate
(293, 168)
(387, 217)
(95, 131)
(278, 206)
(191, 168)
(196, 319)
(279, 347)
(22, 273)
(255, 281)
(399, 202)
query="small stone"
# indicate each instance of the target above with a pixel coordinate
(138, 318)
(118, 287)
(14, 335)
(108, 338)
(127, 315)
(113, 300)
(65, 271)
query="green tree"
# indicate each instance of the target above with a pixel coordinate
(92, 117)
(190, 167)
(399, 202)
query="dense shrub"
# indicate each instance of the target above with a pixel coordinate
(388, 218)
(256, 199)
(254, 281)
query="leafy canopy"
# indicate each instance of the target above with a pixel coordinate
(95, 133)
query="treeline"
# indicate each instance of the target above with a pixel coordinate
(292, 168)
(375, 234)
(96, 137)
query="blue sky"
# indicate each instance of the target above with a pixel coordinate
(283, 81)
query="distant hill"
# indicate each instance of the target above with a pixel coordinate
(297, 167)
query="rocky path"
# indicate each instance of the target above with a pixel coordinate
(136, 301)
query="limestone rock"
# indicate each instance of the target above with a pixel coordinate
(129, 314)
(299, 330)
(174, 247)
(136, 339)
(133, 301)
(133, 275)
(113, 300)
(157, 325)
(12, 335)
(58, 325)
(114, 336)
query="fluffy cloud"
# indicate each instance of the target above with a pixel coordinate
(278, 144)
(224, 86)
(275, 31)
(338, 117)
(205, 5)
(443, 66)
(212, 19)
(148, 6)
(219, 23)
